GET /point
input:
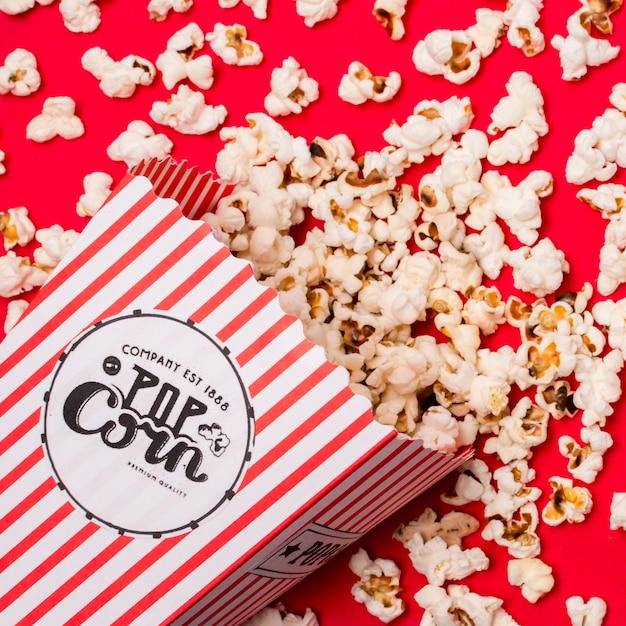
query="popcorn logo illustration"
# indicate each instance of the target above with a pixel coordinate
(147, 424)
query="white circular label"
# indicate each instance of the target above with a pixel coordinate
(147, 424)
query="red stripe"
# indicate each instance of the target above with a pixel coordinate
(283, 364)
(47, 565)
(293, 396)
(297, 435)
(175, 177)
(190, 283)
(21, 468)
(265, 339)
(27, 503)
(266, 296)
(16, 434)
(74, 581)
(225, 292)
(33, 537)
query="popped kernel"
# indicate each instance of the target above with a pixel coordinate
(15, 310)
(359, 85)
(586, 461)
(231, 44)
(158, 10)
(532, 575)
(590, 613)
(57, 118)
(521, 17)
(80, 16)
(18, 275)
(15, 7)
(518, 534)
(259, 7)
(389, 13)
(452, 527)
(567, 502)
(618, 511)
(16, 227)
(55, 243)
(597, 14)
(19, 74)
(97, 186)
(137, 143)
(315, 11)
(277, 615)
(291, 89)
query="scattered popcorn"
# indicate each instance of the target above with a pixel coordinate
(567, 503)
(512, 491)
(579, 50)
(259, 7)
(315, 11)
(452, 527)
(518, 534)
(187, 112)
(487, 31)
(18, 275)
(618, 511)
(179, 61)
(138, 143)
(472, 485)
(97, 187)
(14, 7)
(538, 269)
(390, 13)
(232, 45)
(291, 89)
(118, 79)
(19, 74)
(159, 9)
(590, 613)
(80, 16)
(378, 586)
(278, 616)
(532, 575)
(57, 118)
(16, 227)
(456, 605)
(360, 85)
(55, 243)
(521, 17)
(15, 310)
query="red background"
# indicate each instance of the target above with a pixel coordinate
(47, 178)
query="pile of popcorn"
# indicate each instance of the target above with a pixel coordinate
(395, 281)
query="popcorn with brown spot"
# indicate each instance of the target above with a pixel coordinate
(521, 18)
(16, 227)
(359, 85)
(97, 186)
(567, 502)
(159, 9)
(18, 275)
(55, 243)
(231, 44)
(292, 89)
(390, 13)
(19, 75)
(587, 460)
(518, 534)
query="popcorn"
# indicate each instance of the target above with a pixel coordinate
(512, 492)
(390, 13)
(97, 186)
(3, 169)
(18, 275)
(447, 53)
(521, 17)
(14, 7)
(232, 45)
(179, 61)
(472, 485)
(359, 85)
(278, 616)
(19, 74)
(80, 16)
(538, 270)
(259, 7)
(579, 50)
(598, 14)
(15, 310)
(16, 227)
(567, 503)
(57, 118)
(315, 11)
(489, 249)
(452, 527)
(518, 534)
(159, 9)
(557, 398)
(618, 511)
(55, 243)
(590, 613)
(187, 112)
(487, 31)
(456, 604)
(532, 575)
(378, 586)
(291, 89)
(138, 143)
(585, 462)
(118, 79)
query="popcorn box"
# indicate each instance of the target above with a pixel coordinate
(173, 450)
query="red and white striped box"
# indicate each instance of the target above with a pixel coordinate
(172, 449)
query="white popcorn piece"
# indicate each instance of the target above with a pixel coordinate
(18, 275)
(15, 310)
(3, 169)
(179, 60)
(292, 89)
(159, 9)
(612, 269)
(97, 186)
(447, 53)
(55, 243)
(487, 31)
(378, 586)
(16, 227)
(521, 17)
(586, 461)
(231, 44)
(80, 16)
(438, 430)
(187, 112)
(15, 7)
(489, 395)
(489, 249)
(618, 511)
(590, 613)
(259, 7)
(19, 74)
(518, 534)
(137, 143)
(539, 269)
(278, 616)
(567, 503)
(472, 485)
(118, 79)
(618, 96)
(579, 50)
(532, 575)
(57, 118)
(315, 11)
(389, 13)
(359, 85)
(441, 606)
